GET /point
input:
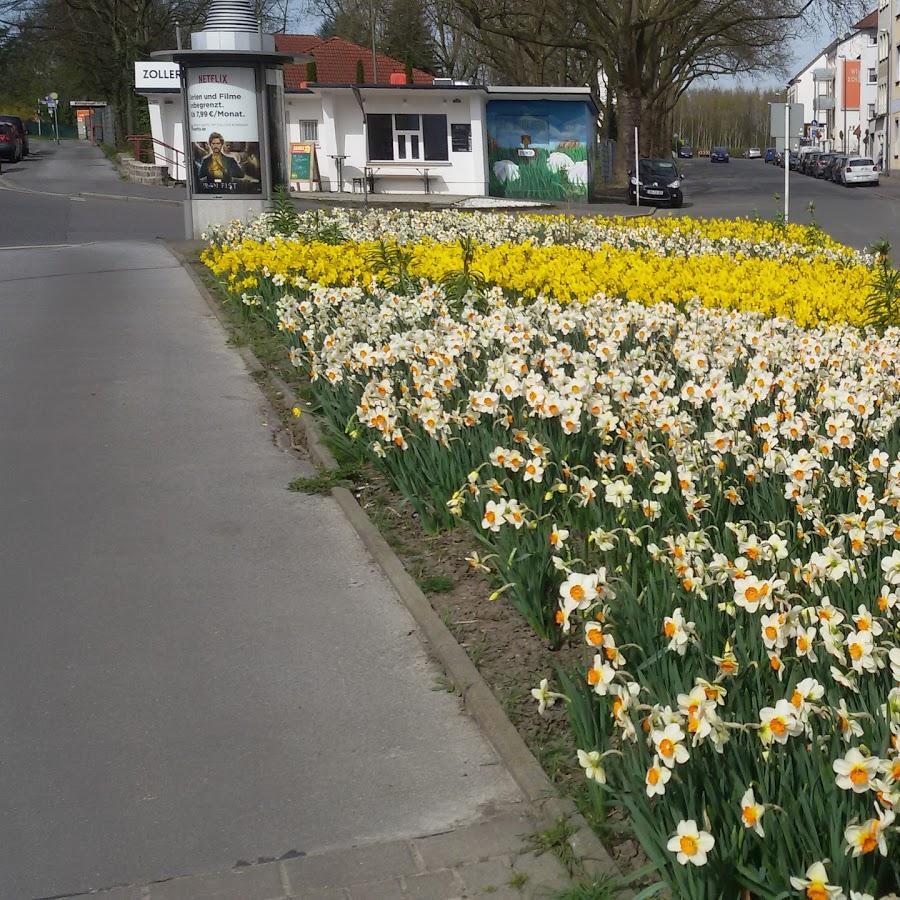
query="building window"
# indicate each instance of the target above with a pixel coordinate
(871, 110)
(309, 130)
(408, 137)
(873, 76)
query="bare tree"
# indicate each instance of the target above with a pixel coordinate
(652, 51)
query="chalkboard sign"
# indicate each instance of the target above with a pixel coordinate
(303, 163)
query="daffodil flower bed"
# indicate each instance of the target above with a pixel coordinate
(808, 290)
(707, 500)
(663, 236)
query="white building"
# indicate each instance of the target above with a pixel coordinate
(839, 89)
(428, 136)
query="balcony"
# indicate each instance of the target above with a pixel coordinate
(823, 74)
(823, 102)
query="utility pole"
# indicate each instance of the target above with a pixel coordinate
(374, 55)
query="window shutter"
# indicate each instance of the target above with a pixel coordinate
(381, 136)
(434, 130)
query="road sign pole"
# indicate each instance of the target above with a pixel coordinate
(787, 161)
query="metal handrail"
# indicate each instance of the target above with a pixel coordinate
(139, 141)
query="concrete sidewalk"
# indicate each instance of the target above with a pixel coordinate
(201, 669)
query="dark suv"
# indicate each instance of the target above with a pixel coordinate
(19, 125)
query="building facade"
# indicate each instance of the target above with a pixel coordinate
(425, 136)
(839, 90)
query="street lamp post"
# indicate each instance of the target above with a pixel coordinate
(844, 102)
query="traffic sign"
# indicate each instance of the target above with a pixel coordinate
(814, 124)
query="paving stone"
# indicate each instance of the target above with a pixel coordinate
(495, 838)
(343, 868)
(251, 883)
(392, 889)
(442, 885)
(544, 871)
(492, 873)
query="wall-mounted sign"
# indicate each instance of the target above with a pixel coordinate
(150, 76)
(224, 130)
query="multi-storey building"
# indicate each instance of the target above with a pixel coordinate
(839, 90)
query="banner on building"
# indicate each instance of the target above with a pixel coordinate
(851, 84)
(224, 130)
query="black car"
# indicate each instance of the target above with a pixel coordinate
(19, 125)
(719, 154)
(820, 169)
(794, 160)
(833, 172)
(660, 182)
(808, 162)
(685, 152)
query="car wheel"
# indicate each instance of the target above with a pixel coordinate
(676, 204)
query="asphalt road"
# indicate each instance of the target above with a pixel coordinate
(857, 216)
(48, 199)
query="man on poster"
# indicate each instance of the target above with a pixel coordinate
(217, 168)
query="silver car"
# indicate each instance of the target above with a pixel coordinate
(859, 170)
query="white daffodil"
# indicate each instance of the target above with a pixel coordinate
(814, 885)
(592, 764)
(544, 696)
(657, 778)
(854, 772)
(690, 844)
(752, 812)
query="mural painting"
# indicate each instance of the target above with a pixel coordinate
(540, 149)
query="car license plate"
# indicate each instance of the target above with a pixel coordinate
(652, 193)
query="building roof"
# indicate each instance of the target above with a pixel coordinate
(336, 61)
(869, 21)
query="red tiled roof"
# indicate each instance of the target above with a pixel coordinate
(869, 21)
(336, 61)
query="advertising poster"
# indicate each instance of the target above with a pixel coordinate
(224, 130)
(851, 84)
(540, 149)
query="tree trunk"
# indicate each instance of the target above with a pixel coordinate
(628, 109)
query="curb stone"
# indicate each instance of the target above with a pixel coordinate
(480, 702)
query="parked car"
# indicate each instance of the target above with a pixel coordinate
(718, 154)
(660, 182)
(794, 160)
(10, 143)
(820, 169)
(685, 152)
(834, 169)
(808, 162)
(771, 153)
(753, 153)
(20, 129)
(859, 170)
